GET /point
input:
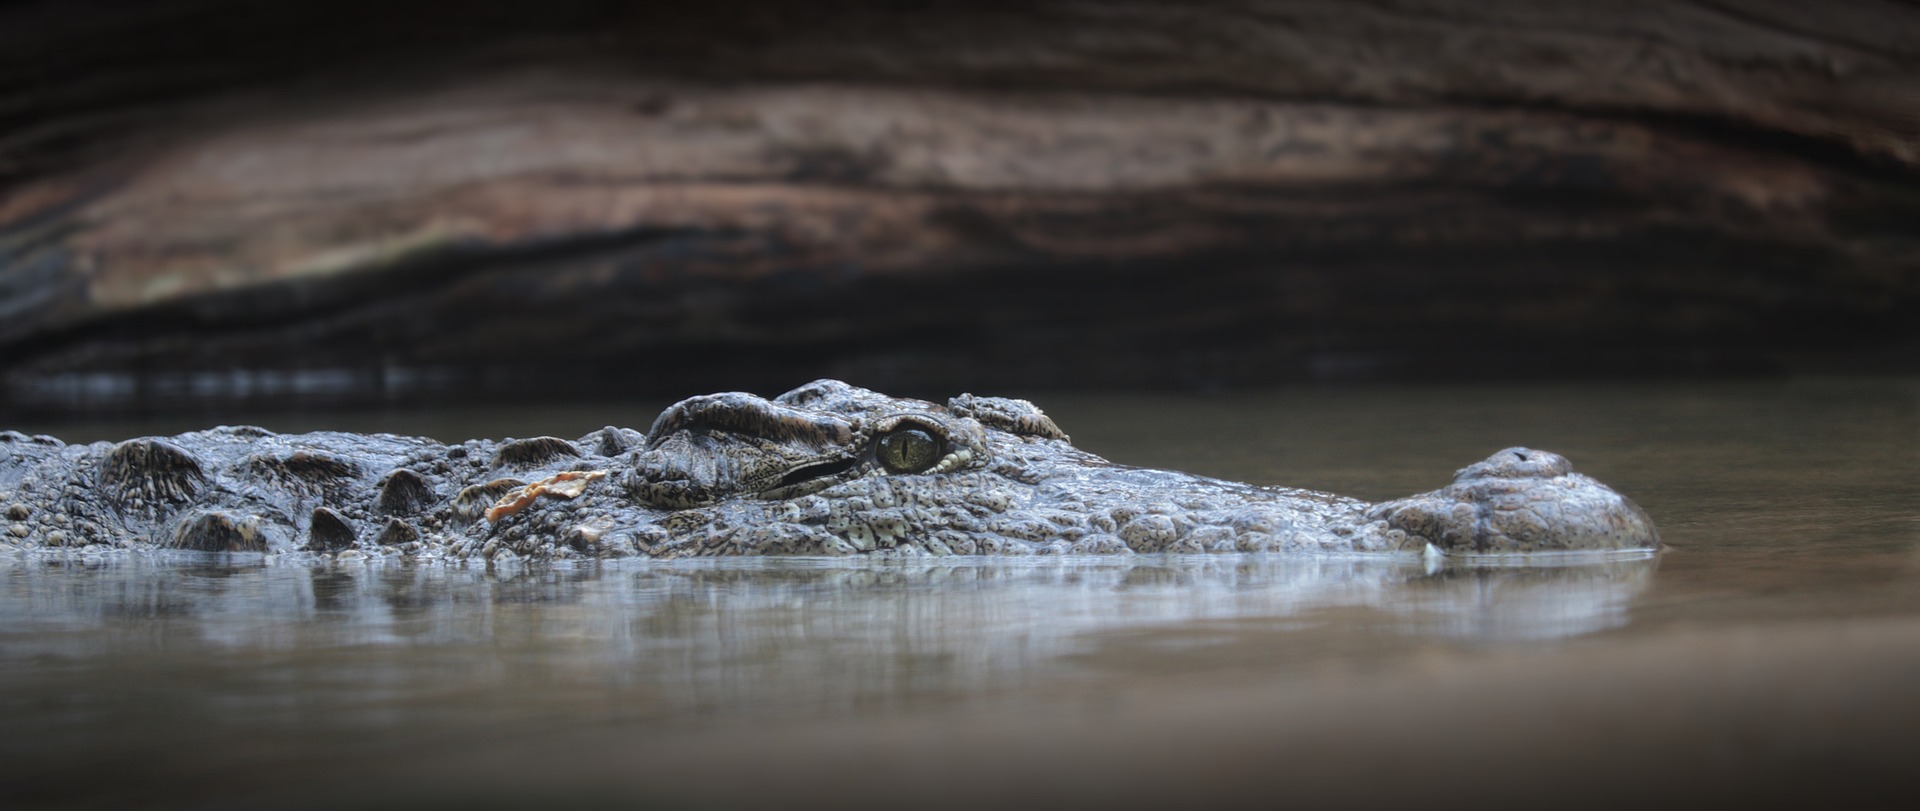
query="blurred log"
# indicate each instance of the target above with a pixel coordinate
(578, 197)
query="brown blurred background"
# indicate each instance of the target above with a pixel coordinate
(341, 202)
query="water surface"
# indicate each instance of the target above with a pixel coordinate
(1771, 649)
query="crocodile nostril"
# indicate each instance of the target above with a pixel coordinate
(1521, 456)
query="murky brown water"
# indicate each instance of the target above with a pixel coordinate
(1771, 654)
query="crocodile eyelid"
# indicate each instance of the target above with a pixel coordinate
(931, 424)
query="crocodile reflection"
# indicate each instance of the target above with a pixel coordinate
(822, 631)
(825, 469)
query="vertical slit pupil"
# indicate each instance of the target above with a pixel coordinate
(909, 450)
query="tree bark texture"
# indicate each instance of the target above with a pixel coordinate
(344, 199)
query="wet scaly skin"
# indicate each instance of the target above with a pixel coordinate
(825, 469)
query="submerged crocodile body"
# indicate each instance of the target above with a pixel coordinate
(825, 469)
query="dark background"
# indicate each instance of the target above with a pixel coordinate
(341, 203)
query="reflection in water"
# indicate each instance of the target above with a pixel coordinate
(1534, 600)
(1789, 509)
(729, 635)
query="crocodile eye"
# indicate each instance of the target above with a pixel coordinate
(908, 450)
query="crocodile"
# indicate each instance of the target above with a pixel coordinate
(825, 469)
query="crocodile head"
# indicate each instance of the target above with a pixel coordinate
(708, 449)
(830, 468)
(827, 468)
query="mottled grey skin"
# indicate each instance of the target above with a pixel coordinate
(735, 474)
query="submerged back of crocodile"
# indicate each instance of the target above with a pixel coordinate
(827, 468)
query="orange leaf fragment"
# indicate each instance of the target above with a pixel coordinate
(566, 484)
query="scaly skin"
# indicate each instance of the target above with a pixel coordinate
(826, 469)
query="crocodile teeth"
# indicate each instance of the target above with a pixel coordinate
(218, 532)
(142, 472)
(403, 492)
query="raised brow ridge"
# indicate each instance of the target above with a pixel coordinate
(743, 413)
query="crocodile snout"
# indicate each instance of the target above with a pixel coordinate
(1517, 463)
(1521, 500)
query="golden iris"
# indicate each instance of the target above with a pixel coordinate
(908, 450)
